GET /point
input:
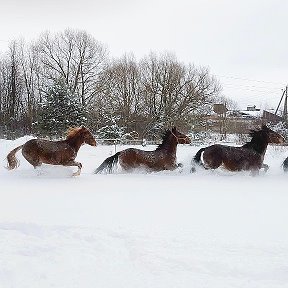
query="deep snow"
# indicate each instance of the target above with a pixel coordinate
(169, 229)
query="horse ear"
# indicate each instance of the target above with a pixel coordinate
(174, 129)
(264, 126)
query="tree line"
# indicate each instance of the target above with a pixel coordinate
(68, 79)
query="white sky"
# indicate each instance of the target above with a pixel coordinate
(237, 40)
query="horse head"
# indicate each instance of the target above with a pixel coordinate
(272, 136)
(180, 137)
(87, 136)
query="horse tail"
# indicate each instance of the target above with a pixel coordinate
(13, 162)
(196, 160)
(108, 164)
(197, 157)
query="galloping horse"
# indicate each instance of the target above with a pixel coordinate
(163, 158)
(38, 151)
(249, 157)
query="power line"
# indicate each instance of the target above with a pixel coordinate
(253, 86)
(252, 80)
(267, 92)
(253, 89)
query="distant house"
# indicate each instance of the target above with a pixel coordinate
(238, 121)
(269, 116)
(251, 112)
(255, 113)
(220, 109)
(252, 108)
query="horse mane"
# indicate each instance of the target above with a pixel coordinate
(165, 136)
(256, 135)
(258, 132)
(72, 132)
(255, 132)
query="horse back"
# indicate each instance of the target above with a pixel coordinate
(150, 160)
(232, 158)
(231, 151)
(49, 152)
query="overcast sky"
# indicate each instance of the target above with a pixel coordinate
(244, 43)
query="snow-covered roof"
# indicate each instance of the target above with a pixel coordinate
(254, 114)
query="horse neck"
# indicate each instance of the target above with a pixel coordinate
(75, 142)
(257, 144)
(169, 146)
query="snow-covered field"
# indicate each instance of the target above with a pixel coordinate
(168, 229)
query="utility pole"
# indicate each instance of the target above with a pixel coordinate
(285, 110)
(285, 107)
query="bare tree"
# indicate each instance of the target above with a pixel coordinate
(147, 95)
(32, 94)
(11, 88)
(121, 91)
(175, 93)
(75, 57)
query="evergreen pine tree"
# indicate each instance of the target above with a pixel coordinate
(60, 110)
(112, 131)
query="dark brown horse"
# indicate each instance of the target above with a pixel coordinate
(38, 151)
(163, 158)
(248, 157)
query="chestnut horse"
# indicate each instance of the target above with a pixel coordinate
(64, 152)
(163, 158)
(248, 157)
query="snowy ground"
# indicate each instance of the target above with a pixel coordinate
(170, 229)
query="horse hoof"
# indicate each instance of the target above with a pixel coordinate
(76, 173)
(265, 167)
(192, 170)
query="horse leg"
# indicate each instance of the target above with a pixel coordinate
(211, 161)
(173, 167)
(285, 165)
(265, 167)
(180, 166)
(74, 163)
(32, 159)
(254, 172)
